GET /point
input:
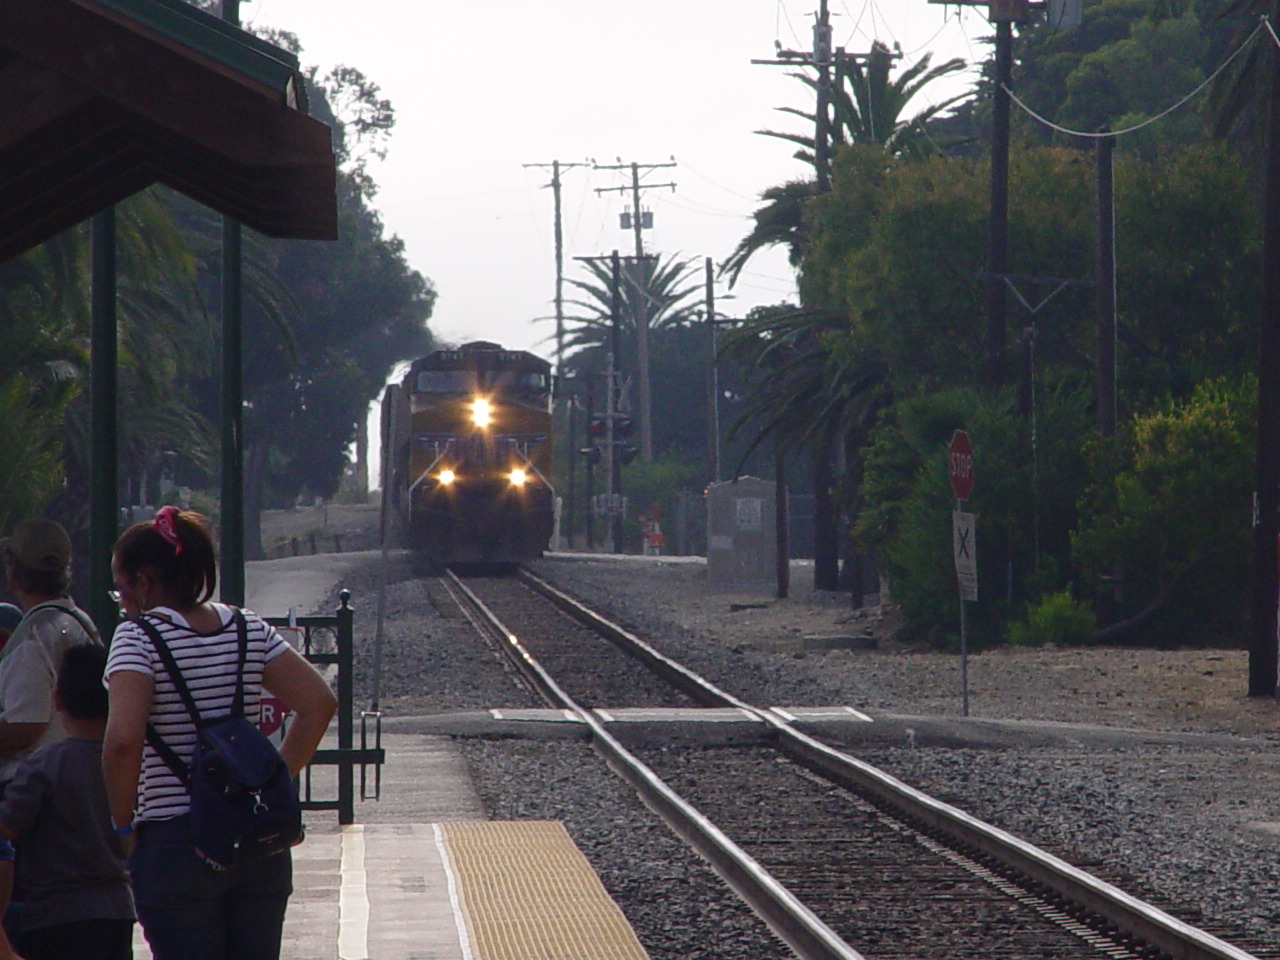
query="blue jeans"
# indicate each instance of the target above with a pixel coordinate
(189, 911)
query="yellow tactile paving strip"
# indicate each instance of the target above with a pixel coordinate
(528, 893)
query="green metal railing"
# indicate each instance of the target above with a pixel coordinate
(329, 640)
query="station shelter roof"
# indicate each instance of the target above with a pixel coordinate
(102, 98)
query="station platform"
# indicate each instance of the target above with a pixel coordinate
(425, 877)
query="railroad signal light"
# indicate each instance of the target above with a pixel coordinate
(592, 454)
(627, 452)
(623, 427)
(599, 428)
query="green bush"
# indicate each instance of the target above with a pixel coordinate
(1165, 530)
(1024, 500)
(1056, 618)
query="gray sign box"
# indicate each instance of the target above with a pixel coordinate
(742, 549)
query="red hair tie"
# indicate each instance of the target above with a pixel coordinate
(166, 524)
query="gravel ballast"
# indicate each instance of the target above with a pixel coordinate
(1196, 828)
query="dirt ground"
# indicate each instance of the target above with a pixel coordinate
(355, 527)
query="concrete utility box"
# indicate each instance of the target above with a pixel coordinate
(741, 535)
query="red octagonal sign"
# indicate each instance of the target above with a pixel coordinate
(960, 465)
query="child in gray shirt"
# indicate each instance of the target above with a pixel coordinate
(71, 888)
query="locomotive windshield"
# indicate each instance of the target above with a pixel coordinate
(518, 381)
(526, 383)
(447, 381)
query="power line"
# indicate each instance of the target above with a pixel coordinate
(1263, 22)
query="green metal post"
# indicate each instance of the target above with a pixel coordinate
(103, 483)
(346, 710)
(232, 398)
(232, 419)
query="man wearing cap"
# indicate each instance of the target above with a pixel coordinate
(37, 568)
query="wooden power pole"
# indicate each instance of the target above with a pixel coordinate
(1266, 522)
(639, 298)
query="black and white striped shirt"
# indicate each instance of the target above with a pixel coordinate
(207, 662)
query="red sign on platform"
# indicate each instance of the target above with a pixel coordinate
(960, 465)
(272, 715)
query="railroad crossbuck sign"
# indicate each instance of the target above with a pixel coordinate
(965, 549)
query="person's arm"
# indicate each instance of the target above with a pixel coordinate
(290, 678)
(130, 694)
(26, 684)
(6, 894)
(17, 737)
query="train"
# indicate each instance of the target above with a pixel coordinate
(468, 459)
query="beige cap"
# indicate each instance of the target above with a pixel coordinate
(40, 545)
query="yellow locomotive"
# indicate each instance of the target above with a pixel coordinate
(468, 434)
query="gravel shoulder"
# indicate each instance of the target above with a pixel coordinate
(1172, 690)
(1192, 826)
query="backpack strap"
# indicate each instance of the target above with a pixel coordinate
(75, 613)
(174, 762)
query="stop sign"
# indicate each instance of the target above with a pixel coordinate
(960, 465)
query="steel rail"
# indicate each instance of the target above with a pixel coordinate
(796, 924)
(1178, 939)
(698, 688)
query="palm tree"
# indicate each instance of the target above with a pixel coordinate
(867, 106)
(663, 287)
(868, 102)
(779, 222)
(810, 401)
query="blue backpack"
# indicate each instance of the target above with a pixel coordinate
(244, 805)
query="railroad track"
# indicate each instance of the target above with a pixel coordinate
(874, 866)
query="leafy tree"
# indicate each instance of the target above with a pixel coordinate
(325, 323)
(1128, 61)
(897, 248)
(1165, 525)
(866, 108)
(44, 301)
(1025, 505)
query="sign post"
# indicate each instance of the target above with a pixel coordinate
(963, 545)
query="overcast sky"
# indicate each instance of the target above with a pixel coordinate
(480, 90)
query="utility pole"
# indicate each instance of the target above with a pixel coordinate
(1266, 519)
(823, 57)
(998, 229)
(613, 542)
(1105, 278)
(591, 468)
(822, 118)
(640, 298)
(569, 514)
(613, 378)
(556, 167)
(232, 498)
(713, 379)
(1004, 14)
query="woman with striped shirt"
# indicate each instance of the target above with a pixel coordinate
(166, 570)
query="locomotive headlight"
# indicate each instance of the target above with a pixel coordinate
(481, 412)
(446, 477)
(519, 478)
